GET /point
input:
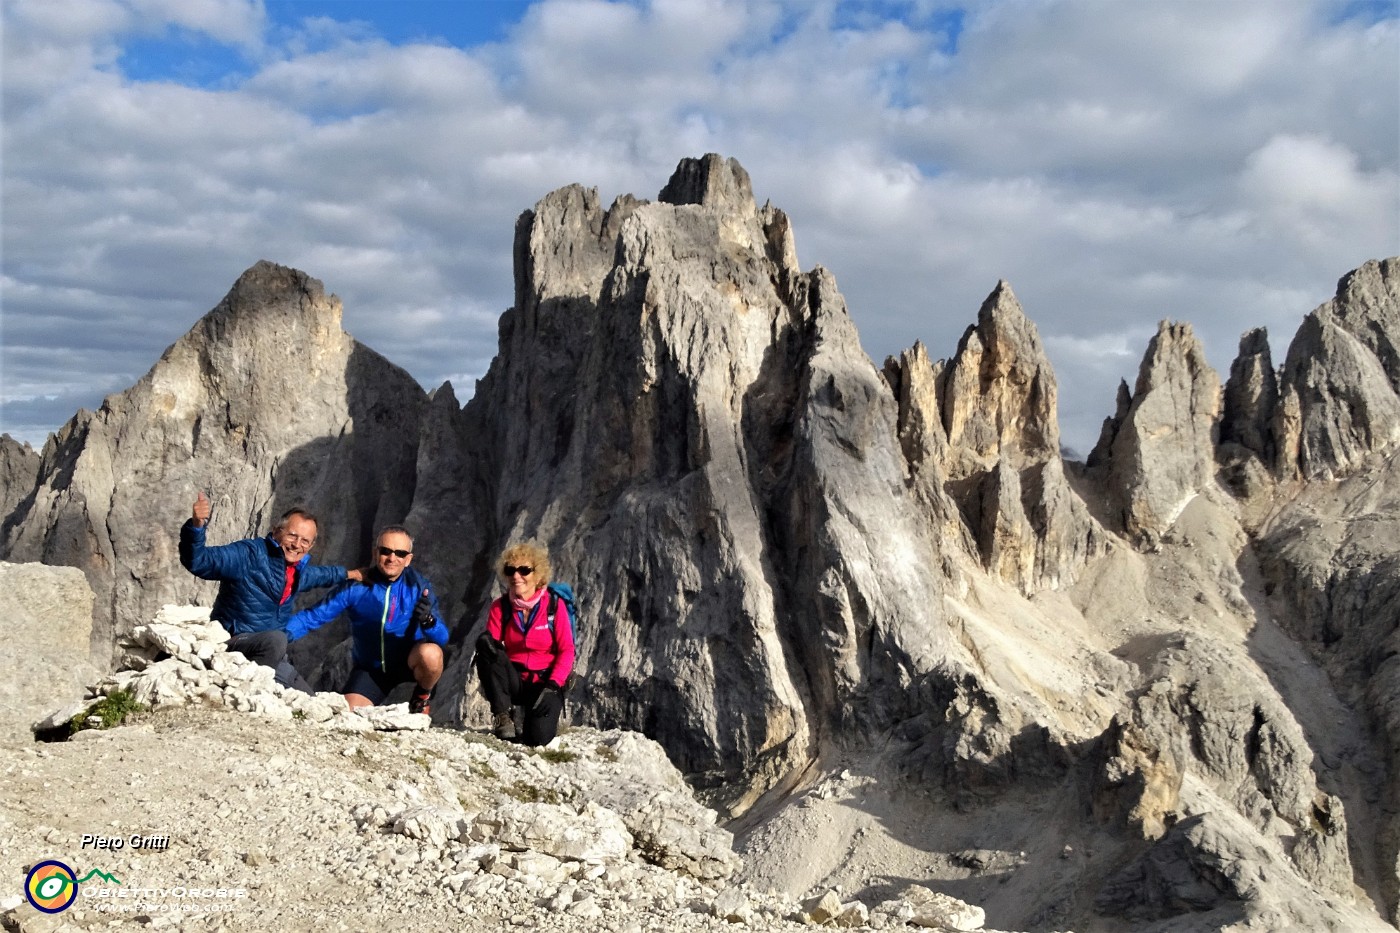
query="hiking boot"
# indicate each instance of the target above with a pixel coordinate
(418, 703)
(503, 725)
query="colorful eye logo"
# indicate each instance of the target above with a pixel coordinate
(51, 887)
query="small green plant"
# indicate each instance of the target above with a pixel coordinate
(111, 710)
(486, 771)
(605, 752)
(299, 714)
(526, 792)
(557, 756)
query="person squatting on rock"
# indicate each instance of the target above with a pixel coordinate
(521, 660)
(397, 634)
(258, 580)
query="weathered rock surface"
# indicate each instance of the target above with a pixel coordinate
(1338, 387)
(982, 429)
(19, 467)
(1163, 451)
(785, 556)
(44, 656)
(1330, 562)
(706, 455)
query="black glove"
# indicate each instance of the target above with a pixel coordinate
(549, 687)
(422, 618)
(487, 647)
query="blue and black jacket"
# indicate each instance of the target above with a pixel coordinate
(252, 575)
(381, 617)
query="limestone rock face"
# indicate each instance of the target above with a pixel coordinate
(266, 403)
(685, 418)
(1251, 398)
(999, 391)
(19, 467)
(1202, 718)
(1248, 450)
(1162, 453)
(1330, 560)
(44, 656)
(1338, 395)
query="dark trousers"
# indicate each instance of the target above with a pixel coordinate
(270, 650)
(506, 686)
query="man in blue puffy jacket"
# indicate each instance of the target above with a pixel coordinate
(258, 580)
(396, 632)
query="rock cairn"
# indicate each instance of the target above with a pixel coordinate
(596, 832)
(181, 659)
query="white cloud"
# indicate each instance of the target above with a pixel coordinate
(236, 22)
(1218, 162)
(1310, 180)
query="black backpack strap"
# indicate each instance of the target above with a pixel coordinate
(552, 608)
(507, 618)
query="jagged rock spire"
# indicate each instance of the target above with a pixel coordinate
(1338, 388)
(1163, 449)
(981, 431)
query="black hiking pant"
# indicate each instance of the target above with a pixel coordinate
(506, 685)
(269, 649)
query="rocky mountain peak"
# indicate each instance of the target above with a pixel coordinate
(19, 468)
(711, 181)
(1338, 387)
(1162, 453)
(999, 391)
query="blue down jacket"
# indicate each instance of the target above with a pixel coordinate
(251, 575)
(381, 617)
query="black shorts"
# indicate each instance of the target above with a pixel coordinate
(376, 685)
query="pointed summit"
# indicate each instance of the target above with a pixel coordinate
(712, 181)
(1338, 389)
(999, 397)
(1163, 451)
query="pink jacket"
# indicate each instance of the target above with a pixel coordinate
(540, 650)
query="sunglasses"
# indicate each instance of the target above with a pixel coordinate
(387, 551)
(510, 571)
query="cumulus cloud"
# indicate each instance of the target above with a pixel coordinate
(1217, 162)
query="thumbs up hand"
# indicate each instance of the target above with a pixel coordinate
(201, 510)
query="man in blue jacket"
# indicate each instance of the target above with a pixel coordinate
(396, 632)
(258, 580)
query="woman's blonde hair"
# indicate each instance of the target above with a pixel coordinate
(525, 554)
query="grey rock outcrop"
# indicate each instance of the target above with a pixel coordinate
(1163, 450)
(19, 468)
(1338, 387)
(1248, 450)
(1201, 719)
(1330, 562)
(266, 403)
(44, 656)
(981, 440)
(705, 453)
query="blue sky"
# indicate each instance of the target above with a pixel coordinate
(1222, 163)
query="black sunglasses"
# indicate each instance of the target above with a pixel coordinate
(386, 551)
(510, 571)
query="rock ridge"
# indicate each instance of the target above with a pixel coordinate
(788, 555)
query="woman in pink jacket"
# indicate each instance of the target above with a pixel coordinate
(524, 657)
